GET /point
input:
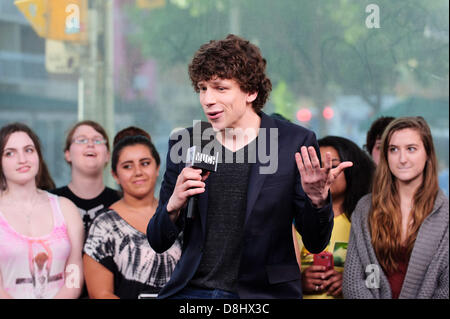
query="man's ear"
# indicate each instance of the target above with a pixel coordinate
(252, 97)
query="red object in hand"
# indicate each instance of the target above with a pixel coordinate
(324, 259)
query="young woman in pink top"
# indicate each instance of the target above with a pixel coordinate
(41, 235)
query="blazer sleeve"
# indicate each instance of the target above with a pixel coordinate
(313, 224)
(161, 231)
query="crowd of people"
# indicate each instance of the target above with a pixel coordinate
(333, 221)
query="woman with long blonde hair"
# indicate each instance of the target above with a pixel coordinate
(398, 244)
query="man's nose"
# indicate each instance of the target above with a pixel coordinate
(208, 97)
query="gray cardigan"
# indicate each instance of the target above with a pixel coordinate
(427, 275)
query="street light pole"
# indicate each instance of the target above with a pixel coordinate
(96, 82)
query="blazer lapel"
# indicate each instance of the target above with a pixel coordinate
(202, 138)
(256, 179)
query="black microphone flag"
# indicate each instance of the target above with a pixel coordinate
(200, 156)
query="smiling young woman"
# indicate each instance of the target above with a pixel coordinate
(41, 235)
(119, 262)
(402, 227)
(87, 152)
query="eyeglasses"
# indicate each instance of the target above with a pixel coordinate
(85, 140)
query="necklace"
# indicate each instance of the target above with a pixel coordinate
(28, 210)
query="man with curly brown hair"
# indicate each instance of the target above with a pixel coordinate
(239, 243)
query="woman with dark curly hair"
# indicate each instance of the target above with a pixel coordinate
(239, 243)
(346, 190)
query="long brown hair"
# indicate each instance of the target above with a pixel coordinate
(43, 179)
(385, 218)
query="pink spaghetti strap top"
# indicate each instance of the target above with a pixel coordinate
(33, 267)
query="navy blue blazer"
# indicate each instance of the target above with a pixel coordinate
(268, 267)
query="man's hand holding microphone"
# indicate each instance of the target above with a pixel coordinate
(191, 182)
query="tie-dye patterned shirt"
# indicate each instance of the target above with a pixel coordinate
(125, 252)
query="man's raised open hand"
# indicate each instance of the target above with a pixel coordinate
(316, 180)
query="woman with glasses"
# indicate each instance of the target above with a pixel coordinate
(41, 235)
(87, 152)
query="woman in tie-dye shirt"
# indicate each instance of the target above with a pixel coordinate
(118, 260)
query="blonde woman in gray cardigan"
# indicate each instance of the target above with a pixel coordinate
(399, 239)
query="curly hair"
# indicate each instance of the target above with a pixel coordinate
(232, 58)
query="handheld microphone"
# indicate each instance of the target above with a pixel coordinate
(205, 162)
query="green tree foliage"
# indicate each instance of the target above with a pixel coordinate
(320, 49)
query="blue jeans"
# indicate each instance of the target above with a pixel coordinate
(199, 293)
